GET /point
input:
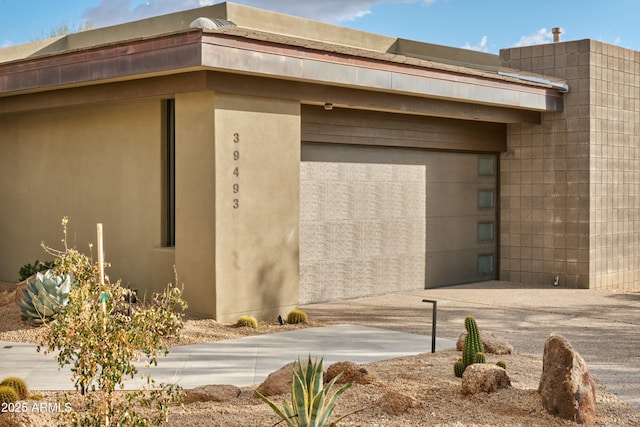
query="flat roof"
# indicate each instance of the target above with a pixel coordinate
(274, 45)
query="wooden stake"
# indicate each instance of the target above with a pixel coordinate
(100, 254)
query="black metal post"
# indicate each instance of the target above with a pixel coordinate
(434, 303)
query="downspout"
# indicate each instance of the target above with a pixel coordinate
(562, 87)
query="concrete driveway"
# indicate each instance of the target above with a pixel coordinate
(604, 327)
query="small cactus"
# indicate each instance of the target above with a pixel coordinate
(8, 394)
(502, 364)
(297, 316)
(458, 368)
(472, 342)
(472, 352)
(247, 321)
(18, 385)
(479, 358)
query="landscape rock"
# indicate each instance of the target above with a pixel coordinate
(212, 393)
(393, 402)
(278, 382)
(484, 377)
(566, 386)
(492, 343)
(351, 373)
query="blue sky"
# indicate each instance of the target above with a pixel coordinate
(485, 25)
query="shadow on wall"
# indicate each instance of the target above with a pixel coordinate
(275, 281)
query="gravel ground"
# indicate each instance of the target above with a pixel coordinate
(418, 390)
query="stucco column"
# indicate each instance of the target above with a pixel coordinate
(257, 206)
(195, 199)
(257, 216)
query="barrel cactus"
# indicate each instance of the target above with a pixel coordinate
(247, 321)
(297, 316)
(18, 385)
(45, 296)
(7, 394)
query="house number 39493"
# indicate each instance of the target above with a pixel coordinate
(235, 186)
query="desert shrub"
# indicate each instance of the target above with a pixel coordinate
(247, 321)
(18, 385)
(297, 316)
(96, 336)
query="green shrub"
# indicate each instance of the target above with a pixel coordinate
(18, 385)
(247, 321)
(98, 338)
(7, 394)
(297, 316)
(310, 405)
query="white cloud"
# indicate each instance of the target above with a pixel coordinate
(6, 43)
(481, 46)
(111, 12)
(541, 36)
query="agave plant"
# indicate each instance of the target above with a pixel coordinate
(310, 404)
(44, 297)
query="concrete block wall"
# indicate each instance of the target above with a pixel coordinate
(569, 186)
(615, 167)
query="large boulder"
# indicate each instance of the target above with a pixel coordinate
(351, 373)
(566, 386)
(484, 378)
(278, 382)
(491, 343)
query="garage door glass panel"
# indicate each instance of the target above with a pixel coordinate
(485, 199)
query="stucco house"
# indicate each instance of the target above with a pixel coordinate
(277, 161)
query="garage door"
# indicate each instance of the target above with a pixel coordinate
(392, 202)
(376, 220)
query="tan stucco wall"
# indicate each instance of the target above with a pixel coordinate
(257, 243)
(95, 163)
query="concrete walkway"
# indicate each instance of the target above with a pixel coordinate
(604, 327)
(241, 362)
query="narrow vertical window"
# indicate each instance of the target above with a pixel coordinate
(170, 172)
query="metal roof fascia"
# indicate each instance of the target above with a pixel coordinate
(374, 75)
